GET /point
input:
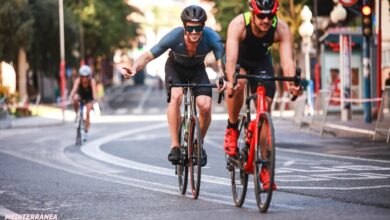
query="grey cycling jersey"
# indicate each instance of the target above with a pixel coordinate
(174, 40)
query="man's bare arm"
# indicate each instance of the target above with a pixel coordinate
(76, 84)
(235, 30)
(138, 65)
(94, 89)
(286, 54)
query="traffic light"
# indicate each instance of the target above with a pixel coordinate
(367, 20)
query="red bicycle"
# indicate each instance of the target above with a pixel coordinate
(256, 144)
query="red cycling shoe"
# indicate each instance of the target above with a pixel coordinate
(230, 145)
(264, 178)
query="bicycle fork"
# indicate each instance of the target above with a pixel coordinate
(261, 107)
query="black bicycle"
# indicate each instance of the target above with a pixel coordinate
(190, 138)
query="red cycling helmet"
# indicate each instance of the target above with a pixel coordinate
(264, 6)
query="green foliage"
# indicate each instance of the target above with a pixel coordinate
(15, 28)
(105, 26)
(34, 26)
(226, 10)
(45, 50)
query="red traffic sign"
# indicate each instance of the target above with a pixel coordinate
(348, 3)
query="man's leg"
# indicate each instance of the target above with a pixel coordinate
(204, 105)
(76, 103)
(234, 103)
(89, 107)
(173, 115)
(234, 106)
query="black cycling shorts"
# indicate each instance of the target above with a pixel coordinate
(185, 74)
(261, 67)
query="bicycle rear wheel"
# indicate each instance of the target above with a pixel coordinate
(265, 160)
(182, 167)
(195, 155)
(239, 178)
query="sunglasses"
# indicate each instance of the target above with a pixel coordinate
(192, 28)
(263, 16)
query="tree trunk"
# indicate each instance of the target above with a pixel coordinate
(292, 7)
(22, 73)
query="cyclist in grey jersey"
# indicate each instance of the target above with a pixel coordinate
(175, 41)
(188, 49)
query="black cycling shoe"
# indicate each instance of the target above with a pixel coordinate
(203, 160)
(174, 155)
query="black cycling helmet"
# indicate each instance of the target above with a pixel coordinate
(193, 13)
(264, 6)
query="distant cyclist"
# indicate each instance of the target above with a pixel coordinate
(249, 39)
(188, 46)
(84, 88)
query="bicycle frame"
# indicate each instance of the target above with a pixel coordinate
(261, 107)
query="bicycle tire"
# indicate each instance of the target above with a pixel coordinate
(78, 132)
(239, 178)
(194, 156)
(263, 197)
(182, 167)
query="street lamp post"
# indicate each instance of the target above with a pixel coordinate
(337, 15)
(306, 31)
(62, 55)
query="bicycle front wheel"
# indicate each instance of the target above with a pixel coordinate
(195, 155)
(79, 132)
(239, 178)
(264, 163)
(182, 167)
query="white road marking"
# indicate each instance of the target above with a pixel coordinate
(4, 211)
(93, 150)
(331, 155)
(142, 184)
(141, 118)
(288, 163)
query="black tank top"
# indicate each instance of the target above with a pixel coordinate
(85, 93)
(254, 49)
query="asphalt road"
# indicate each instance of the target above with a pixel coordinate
(122, 172)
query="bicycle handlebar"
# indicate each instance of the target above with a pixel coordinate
(263, 78)
(170, 85)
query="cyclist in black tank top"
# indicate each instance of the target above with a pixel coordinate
(84, 89)
(249, 38)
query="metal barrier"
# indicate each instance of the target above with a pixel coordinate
(321, 105)
(382, 127)
(299, 107)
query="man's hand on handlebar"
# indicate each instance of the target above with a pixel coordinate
(295, 90)
(129, 72)
(221, 84)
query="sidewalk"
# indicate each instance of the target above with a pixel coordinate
(335, 127)
(43, 115)
(52, 116)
